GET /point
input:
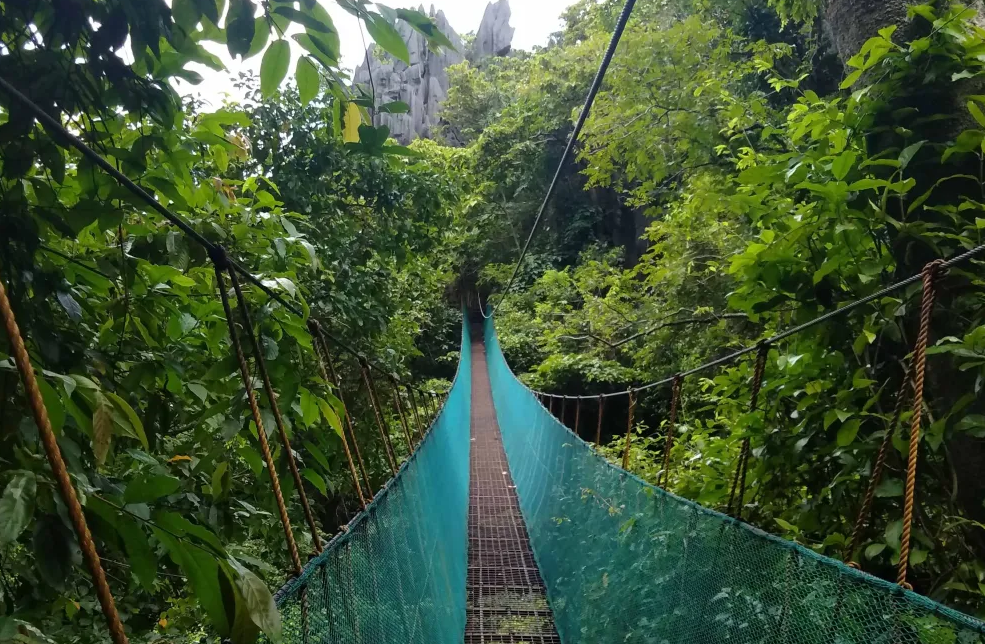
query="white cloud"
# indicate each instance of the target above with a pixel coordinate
(534, 21)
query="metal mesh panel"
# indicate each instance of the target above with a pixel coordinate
(398, 573)
(506, 599)
(627, 562)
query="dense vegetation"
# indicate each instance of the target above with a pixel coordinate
(747, 166)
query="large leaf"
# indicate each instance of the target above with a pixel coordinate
(273, 67)
(202, 571)
(240, 26)
(134, 424)
(387, 37)
(143, 562)
(353, 119)
(145, 488)
(259, 601)
(17, 506)
(308, 79)
(315, 479)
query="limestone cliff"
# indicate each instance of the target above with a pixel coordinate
(423, 84)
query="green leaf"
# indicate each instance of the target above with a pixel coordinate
(873, 550)
(143, 562)
(318, 455)
(202, 570)
(889, 488)
(851, 79)
(17, 506)
(102, 428)
(221, 479)
(146, 488)
(309, 407)
(917, 556)
(208, 9)
(135, 424)
(53, 405)
(320, 48)
(182, 527)
(308, 79)
(977, 113)
(387, 37)
(240, 26)
(309, 22)
(842, 164)
(315, 479)
(330, 416)
(786, 525)
(908, 153)
(394, 107)
(273, 67)
(259, 601)
(261, 34)
(847, 432)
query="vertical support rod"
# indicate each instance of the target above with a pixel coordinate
(675, 397)
(321, 352)
(577, 414)
(403, 419)
(220, 264)
(417, 414)
(629, 428)
(564, 408)
(336, 378)
(739, 480)
(57, 463)
(364, 366)
(598, 428)
(275, 408)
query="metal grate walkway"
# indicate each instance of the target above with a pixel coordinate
(506, 597)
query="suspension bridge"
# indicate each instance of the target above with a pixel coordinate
(502, 525)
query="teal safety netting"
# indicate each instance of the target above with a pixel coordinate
(398, 573)
(626, 562)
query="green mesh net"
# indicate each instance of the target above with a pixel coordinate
(398, 574)
(626, 562)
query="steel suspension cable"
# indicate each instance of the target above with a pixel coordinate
(627, 10)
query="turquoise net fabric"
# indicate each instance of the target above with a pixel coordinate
(626, 562)
(398, 574)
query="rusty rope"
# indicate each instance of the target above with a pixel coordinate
(598, 428)
(739, 480)
(268, 387)
(220, 264)
(930, 274)
(321, 351)
(379, 419)
(60, 472)
(675, 398)
(348, 421)
(876, 477)
(629, 429)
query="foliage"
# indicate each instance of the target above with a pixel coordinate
(124, 324)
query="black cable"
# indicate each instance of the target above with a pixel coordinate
(596, 84)
(782, 335)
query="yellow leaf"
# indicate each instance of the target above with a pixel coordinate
(179, 458)
(350, 133)
(163, 622)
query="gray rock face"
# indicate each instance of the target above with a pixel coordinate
(495, 35)
(423, 84)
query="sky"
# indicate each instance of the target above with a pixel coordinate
(533, 20)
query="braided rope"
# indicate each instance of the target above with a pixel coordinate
(877, 469)
(54, 454)
(321, 351)
(930, 273)
(675, 397)
(275, 408)
(629, 429)
(417, 415)
(379, 419)
(403, 419)
(739, 481)
(219, 265)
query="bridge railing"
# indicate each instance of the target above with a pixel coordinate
(397, 573)
(624, 561)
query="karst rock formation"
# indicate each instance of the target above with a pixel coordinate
(423, 84)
